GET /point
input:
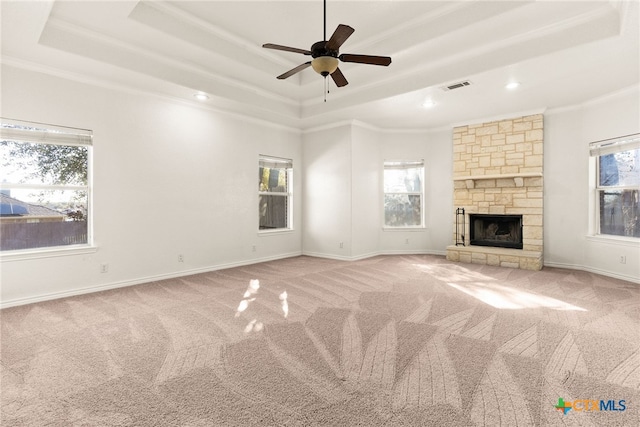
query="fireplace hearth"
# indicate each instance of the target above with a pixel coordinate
(503, 231)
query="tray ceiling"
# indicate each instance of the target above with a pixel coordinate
(562, 53)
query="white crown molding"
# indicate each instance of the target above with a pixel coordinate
(625, 9)
(617, 94)
(240, 43)
(327, 126)
(629, 90)
(379, 129)
(418, 21)
(111, 42)
(369, 126)
(109, 85)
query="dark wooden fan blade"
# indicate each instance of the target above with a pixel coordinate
(339, 36)
(339, 78)
(286, 48)
(365, 59)
(294, 70)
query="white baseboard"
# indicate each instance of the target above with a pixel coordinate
(593, 270)
(182, 273)
(122, 284)
(329, 256)
(420, 252)
(372, 254)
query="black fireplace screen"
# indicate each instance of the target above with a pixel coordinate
(504, 231)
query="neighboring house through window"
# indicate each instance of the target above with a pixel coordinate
(44, 186)
(274, 193)
(617, 186)
(403, 194)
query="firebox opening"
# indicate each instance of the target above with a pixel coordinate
(504, 231)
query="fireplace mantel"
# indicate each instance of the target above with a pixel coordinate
(518, 178)
(498, 176)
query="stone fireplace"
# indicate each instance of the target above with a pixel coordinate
(498, 184)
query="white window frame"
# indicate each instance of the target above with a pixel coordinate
(32, 132)
(280, 163)
(601, 148)
(401, 164)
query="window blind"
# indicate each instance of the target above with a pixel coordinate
(275, 163)
(403, 164)
(614, 145)
(39, 133)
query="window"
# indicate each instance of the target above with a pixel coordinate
(44, 186)
(403, 193)
(617, 186)
(274, 193)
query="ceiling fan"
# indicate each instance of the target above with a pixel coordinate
(326, 54)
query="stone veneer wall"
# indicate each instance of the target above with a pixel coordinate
(497, 169)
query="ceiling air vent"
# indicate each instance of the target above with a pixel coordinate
(457, 85)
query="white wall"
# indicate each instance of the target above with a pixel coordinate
(439, 192)
(169, 179)
(366, 200)
(567, 238)
(326, 192)
(343, 191)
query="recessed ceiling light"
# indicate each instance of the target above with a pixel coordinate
(512, 85)
(429, 103)
(201, 96)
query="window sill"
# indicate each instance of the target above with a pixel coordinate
(28, 254)
(404, 228)
(277, 231)
(614, 240)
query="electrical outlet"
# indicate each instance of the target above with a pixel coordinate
(406, 242)
(253, 248)
(623, 259)
(180, 258)
(341, 245)
(104, 268)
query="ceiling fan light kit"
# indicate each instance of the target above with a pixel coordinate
(326, 55)
(324, 65)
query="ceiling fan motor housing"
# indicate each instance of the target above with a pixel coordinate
(320, 49)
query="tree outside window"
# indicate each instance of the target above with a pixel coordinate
(403, 193)
(618, 186)
(44, 186)
(274, 193)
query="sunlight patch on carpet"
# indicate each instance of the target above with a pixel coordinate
(250, 295)
(509, 298)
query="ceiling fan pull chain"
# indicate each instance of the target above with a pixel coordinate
(325, 88)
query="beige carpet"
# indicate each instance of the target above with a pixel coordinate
(387, 341)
